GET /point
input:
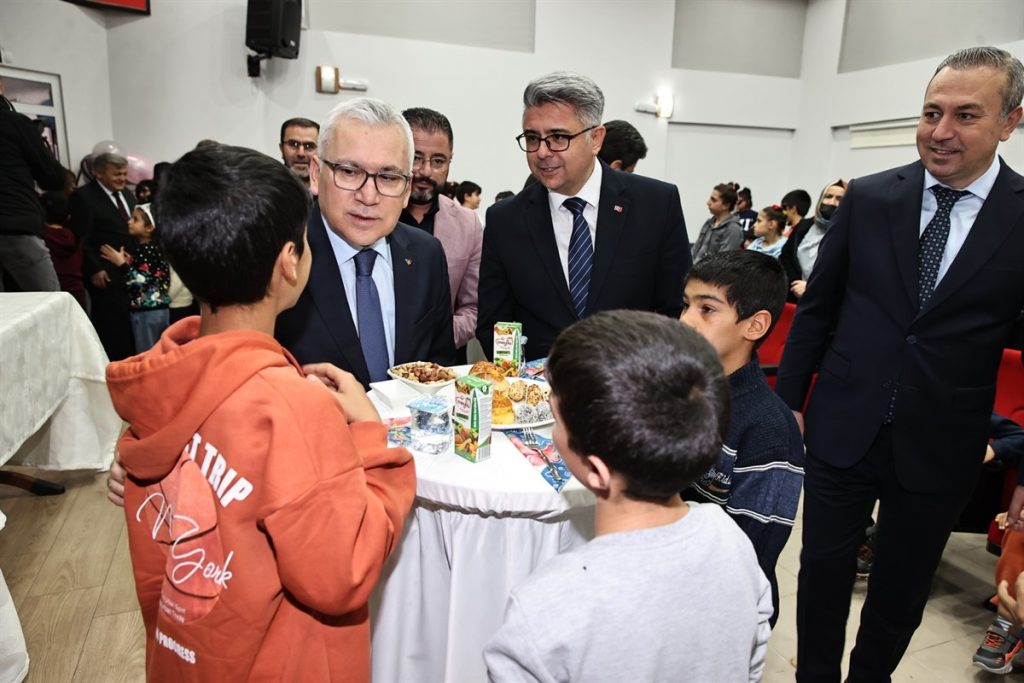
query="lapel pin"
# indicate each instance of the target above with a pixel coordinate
(617, 209)
(408, 261)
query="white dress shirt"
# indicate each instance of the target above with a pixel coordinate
(383, 277)
(561, 217)
(961, 218)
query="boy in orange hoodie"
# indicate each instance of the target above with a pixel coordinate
(261, 506)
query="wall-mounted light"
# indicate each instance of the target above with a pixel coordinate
(662, 107)
(328, 79)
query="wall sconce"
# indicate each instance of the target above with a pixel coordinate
(663, 106)
(328, 79)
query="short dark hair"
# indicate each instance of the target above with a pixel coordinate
(752, 281)
(644, 393)
(504, 194)
(799, 200)
(466, 188)
(55, 206)
(745, 194)
(224, 214)
(727, 193)
(299, 123)
(430, 121)
(622, 142)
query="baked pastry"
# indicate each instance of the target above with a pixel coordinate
(490, 371)
(501, 410)
(534, 395)
(517, 391)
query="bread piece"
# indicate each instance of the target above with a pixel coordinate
(501, 410)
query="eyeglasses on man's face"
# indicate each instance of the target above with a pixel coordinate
(295, 145)
(438, 162)
(556, 142)
(352, 178)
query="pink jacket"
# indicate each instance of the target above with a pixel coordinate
(460, 234)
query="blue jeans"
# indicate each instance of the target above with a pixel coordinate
(147, 326)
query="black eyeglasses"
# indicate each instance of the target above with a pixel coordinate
(294, 145)
(352, 178)
(556, 142)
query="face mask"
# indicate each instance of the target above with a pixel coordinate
(826, 211)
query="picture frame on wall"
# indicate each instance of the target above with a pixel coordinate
(133, 6)
(38, 95)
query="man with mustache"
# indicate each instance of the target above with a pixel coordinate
(378, 289)
(298, 146)
(457, 228)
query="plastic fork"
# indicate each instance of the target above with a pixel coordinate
(530, 441)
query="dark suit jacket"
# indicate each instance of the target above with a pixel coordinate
(641, 259)
(96, 221)
(943, 358)
(319, 327)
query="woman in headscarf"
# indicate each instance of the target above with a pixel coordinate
(801, 251)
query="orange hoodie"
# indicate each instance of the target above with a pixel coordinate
(258, 520)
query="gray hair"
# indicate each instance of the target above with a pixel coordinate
(995, 58)
(565, 87)
(372, 112)
(101, 161)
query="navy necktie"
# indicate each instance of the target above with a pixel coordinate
(371, 321)
(933, 241)
(581, 256)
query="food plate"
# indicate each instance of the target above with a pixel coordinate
(537, 423)
(422, 387)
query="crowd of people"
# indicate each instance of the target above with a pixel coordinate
(352, 257)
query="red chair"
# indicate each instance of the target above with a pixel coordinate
(1009, 403)
(769, 354)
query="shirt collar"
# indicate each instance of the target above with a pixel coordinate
(590, 192)
(346, 251)
(979, 188)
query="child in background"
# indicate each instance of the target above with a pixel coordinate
(768, 229)
(64, 247)
(667, 590)
(147, 278)
(261, 506)
(733, 299)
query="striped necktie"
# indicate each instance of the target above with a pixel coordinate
(581, 256)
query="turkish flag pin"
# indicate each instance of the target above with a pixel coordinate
(617, 209)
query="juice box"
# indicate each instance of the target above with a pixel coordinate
(472, 417)
(508, 348)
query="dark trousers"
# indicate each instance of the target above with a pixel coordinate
(111, 316)
(912, 531)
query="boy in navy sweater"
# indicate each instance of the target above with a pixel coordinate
(733, 299)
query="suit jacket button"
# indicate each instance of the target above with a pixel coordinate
(911, 339)
(886, 384)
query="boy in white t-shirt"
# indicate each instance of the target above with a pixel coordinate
(667, 590)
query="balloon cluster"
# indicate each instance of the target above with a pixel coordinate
(139, 167)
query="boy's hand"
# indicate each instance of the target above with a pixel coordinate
(346, 389)
(798, 287)
(115, 483)
(990, 454)
(118, 257)
(1013, 518)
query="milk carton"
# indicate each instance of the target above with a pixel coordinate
(508, 348)
(472, 416)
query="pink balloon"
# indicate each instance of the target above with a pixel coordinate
(139, 168)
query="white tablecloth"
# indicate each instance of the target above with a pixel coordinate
(56, 410)
(475, 532)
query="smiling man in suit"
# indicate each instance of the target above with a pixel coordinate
(378, 289)
(586, 237)
(99, 215)
(923, 268)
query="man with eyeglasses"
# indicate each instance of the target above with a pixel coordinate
(298, 145)
(378, 289)
(585, 237)
(457, 228)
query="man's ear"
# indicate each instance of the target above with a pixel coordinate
(757, 325)
(617, 165)
(314, 175)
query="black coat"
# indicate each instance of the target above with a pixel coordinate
(24, 159)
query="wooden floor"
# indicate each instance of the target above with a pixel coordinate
(66, 562)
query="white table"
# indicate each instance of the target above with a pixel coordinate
(476, 531)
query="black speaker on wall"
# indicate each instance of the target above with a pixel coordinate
(272, 27)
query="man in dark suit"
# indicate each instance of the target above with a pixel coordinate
(99, 215)
(585, 238)
(923, 270)
(378, 289)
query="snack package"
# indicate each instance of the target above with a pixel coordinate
(472, 416)
(508, 348)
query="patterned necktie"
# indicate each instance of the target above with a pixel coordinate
(121, 208)
(581, 256)
(933, 241)
(371, 321)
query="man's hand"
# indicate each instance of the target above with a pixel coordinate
(1013, 514)
(346, 389)
(100, 280)
(990, 454)
(798, 287)
(799, 420)
(115, 483)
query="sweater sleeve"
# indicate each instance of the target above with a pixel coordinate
(512, 655)
(764, 632)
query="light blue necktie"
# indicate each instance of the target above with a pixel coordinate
(371, 321)
(581, 256)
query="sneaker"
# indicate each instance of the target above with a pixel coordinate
(1000, 647)
(866, 554)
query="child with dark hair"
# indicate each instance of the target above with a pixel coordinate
(734, 299)
(261, 506)
(768, 228)
(64, 246)
(723, 231)
(147, 277)
(468, 194)
(640, 407)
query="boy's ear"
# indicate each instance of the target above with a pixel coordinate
(598, 475)
(757, 325)
(288, 263)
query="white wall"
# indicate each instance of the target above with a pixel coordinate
(57, 37)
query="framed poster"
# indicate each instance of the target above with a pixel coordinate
(133, 6)
(38, 95)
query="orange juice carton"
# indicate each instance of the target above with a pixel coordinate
(472, 418)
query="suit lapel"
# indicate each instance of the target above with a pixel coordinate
(404, 269)
(611, 222)
(537, 224)
(328, 293)
(998, 217)
(905, 224)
